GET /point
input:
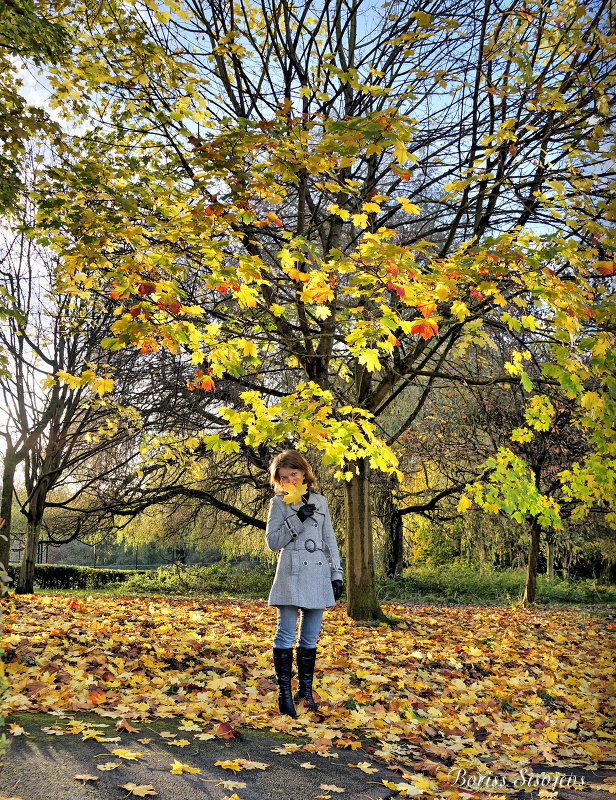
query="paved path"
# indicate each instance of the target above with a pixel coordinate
(41, 766)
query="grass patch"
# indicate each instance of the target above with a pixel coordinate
(216, 579)
(455, 583)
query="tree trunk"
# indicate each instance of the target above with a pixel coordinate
(550, 540)
(394, 545)
(530, 590)
(25, 582)
(389, 513)
(565, 562)
(6, 504)
(361, 595)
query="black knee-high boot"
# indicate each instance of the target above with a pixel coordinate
(306, 656)
(283, 662)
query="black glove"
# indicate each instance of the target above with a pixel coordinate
(305, 511)
(337, 587)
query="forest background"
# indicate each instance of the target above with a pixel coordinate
(380, 233)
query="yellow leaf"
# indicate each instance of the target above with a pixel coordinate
(237, 765)
(400, 152)
(370, 358)
(409, 207)
(331, 788)
(129, 755)
(139, 791)
(340, 212)
(224, 682)
(177, 768)
(294, 493)
(250, 349)
(48, 382)
(72, 381)
(246, 296)
(85, 777)
(108, 765)
(308, 765)
(364, 766)
(460, 309)
(102, 385)
(405, 789)
(464, 504)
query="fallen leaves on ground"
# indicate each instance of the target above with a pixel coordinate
(231, 785)
(177, 768)
(129, 755)
(447, 688)
(139, 791)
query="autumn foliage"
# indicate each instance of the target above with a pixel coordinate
(445, 688)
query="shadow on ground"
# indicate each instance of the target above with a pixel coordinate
(40, 766)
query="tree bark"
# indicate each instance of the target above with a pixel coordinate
(361, 595)
(394, 545)
(25, 582)
(550, 571)
(530, 590)
(36, 509)
(6, 504)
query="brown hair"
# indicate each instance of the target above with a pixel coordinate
(291, 459)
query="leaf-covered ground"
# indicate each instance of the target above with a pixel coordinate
(448, 688)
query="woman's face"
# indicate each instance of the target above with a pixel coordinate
(291, 475)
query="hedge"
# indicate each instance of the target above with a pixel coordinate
(60, 576)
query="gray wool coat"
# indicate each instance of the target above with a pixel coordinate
(308, 560)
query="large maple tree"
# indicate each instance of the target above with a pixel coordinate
(328, 201)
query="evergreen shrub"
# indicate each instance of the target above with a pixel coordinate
(461, 583)
(62, 576)
(220, 578)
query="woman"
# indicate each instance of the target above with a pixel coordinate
(308, 577)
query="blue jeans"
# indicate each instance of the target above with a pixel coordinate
(309, 628)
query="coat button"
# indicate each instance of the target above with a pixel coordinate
(320, 563)
(305, 563)
(316, 524)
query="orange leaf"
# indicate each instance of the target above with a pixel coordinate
(97, 696)
(426, 329)
(427, 309)
(123, 725)
(225, 731)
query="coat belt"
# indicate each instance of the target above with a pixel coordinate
(312, 549)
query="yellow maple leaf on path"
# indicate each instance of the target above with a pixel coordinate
(177, 768)
(129, 755)
(236, 765)
(142, 790)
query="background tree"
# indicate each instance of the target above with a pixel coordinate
(277, 164)
(57, 420)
